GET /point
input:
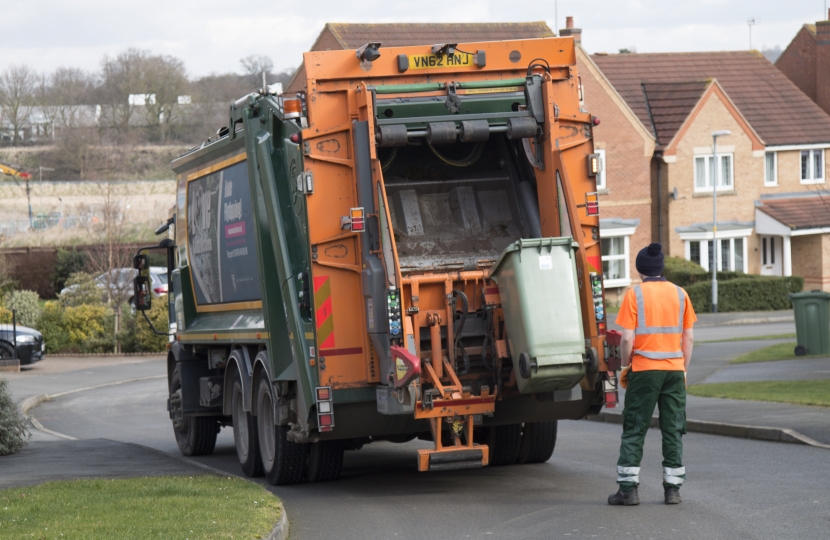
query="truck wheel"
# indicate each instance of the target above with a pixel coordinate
(325, 459)
(244, 432)
(283, 461)
(504, 442)
(195, 435)
(538, 442)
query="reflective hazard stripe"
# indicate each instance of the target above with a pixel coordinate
(674, 476)
(644, 329)
(628, 474)
(651, 355)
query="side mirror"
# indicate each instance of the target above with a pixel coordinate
(140, 262)
(142, 297)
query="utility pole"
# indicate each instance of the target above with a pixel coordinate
(715, 251)
(751, 23)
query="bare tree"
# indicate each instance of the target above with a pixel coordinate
(62, 96)
(108, 230)
(17, 91)
(120, 77)
(254, 65)
(164, 78)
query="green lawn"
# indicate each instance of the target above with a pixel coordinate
(750, 338)
(779, 351)
(812, 392)
(161, 507)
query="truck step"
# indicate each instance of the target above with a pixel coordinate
(454, 458)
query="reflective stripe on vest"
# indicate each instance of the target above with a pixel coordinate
(643, 329)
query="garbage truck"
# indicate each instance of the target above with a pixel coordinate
(409, 248)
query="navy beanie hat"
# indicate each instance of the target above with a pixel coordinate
(650, 260)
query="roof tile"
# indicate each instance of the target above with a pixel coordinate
(799, 213)
(776, 109)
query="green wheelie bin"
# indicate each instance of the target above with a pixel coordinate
(812, 322)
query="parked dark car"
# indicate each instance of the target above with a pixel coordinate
(30, 344)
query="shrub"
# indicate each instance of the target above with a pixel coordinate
(82, 289)
(13, 434)
(84, 328)
(136, 335)
(68, 262)
(746, 293)
(26, 305)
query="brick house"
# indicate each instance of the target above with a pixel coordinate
(342, 36)
(776, 152)
(626, 148)
(806, 62)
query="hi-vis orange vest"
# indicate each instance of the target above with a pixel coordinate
(657, 311)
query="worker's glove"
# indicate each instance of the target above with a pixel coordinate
(624, 376)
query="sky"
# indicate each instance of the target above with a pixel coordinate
(211, 36)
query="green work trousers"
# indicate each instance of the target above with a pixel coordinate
(666, 389)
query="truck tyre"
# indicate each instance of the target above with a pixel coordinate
(504, 442)
(244, 432)
(283, 461)
(325, 459)
(195, 435)
(538, 442)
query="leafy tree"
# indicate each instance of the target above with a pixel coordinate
(13, 434)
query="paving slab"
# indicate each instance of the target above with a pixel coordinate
(46, 461)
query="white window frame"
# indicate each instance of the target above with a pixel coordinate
(727, 236)
(812, 166)
(708, 171)
(772, 182)
(625, 233)
(602, 182)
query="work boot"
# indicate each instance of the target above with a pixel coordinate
(625, 498)
(672, 495)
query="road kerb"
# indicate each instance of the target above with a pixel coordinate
(759, 433)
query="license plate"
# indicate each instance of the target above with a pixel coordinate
(432, 61)
(43, 347)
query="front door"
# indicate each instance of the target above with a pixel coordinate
(771, 255)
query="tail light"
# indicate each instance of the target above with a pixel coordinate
(592, 203)
(325, 409)
(160, 290)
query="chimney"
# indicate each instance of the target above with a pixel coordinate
(569, 30)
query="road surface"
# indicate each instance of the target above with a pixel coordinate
(736, 488)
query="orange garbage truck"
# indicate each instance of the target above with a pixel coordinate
(408, 249)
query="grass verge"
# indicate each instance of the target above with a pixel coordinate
(813, 392)
(779, 351)
(160, 507)
(749, 338)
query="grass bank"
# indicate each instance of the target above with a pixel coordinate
(749, 338)
(161, 507)
(813, 392)
(779, 351)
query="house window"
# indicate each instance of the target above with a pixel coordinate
(812, 166)
(615, 261)
(705, 172)
(771, 169)
(601, 184)
(731, 251)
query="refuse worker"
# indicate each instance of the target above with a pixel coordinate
(656, 347)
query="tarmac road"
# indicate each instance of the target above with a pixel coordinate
(736, 488)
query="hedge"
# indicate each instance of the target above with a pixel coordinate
(684, 273)
(746, 293)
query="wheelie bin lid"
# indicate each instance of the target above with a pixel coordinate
(810, 294)
(521, 243)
